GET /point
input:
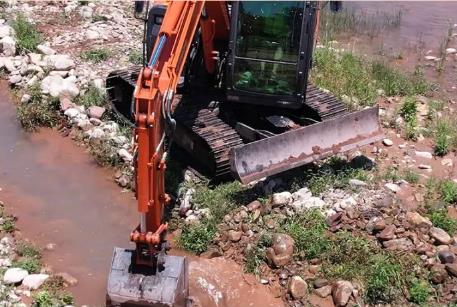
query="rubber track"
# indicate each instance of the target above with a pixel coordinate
(220, 136)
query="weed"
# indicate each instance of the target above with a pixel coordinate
(445, 136)
(8, 224)
(27, 36)
(384, 280)
(104, 152)
(49, 298)
(98, 18)
(136, 57)
(308, 231)
(440, 219)
(448, 191)
(31, 265)
(411, 176)
(434, 107)
(396, 83)
(197, 237)
(328, 177)
(96, 55)
(419, 292)
(93, 96)
(442, 49)
(38, 112)
(26, 249)
(43, 299)
(408, 112)
(391, 174)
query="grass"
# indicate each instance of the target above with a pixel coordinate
(408, 112)
(346, 21)
(445, 135)
(255, 256)
(349, 76)
(442, 48)
(98, 18)
(96, 55)
(448, 190)
(26, 249)
(27, 36)
(411, 176)
(8, 224)
(420, 291)
(136, 57)
(31, 265)
(220, 200)
(93, 96)
(440, 219)
(105, 153)
(38, 112)
(46, 298)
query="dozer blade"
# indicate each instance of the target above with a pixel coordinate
(294, 148)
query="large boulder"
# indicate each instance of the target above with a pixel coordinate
(57, 86)
(44, 49)
(281, 251)
(440, 235)
(14, 275)
(34, 281)
(298, 288)
(8, 45)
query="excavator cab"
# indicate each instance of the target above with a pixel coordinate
(270, 51)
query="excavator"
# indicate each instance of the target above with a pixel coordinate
(228, 83)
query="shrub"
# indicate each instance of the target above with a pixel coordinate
(419, 292)
(27, 36)
(196, 238)
(93, 96)
(448, 190)
(411, 176)
(445, 136)
(440, 219)
(409, 113)
(136, 57)
(96, 55)
(31, 265)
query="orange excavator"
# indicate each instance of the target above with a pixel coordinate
(228, 82)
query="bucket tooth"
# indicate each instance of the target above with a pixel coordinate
(297, 147)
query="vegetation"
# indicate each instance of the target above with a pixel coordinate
(358, 80)
(27, 36)
(96, 55)
(255, 256)
(411, 176)
(136, 57)
(38, 112)
(93, 96)
(104, 152)
(30, 264)
(420, 291)
(445, 134)
(440, 219)
(98, 18)
(26, 249)
(408, 112)
(8, 224)
(46, 298)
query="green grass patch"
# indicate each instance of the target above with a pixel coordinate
(26, 249)
(105, 153)
(27, 36)
(408, 112)
(136, 57)
(31, 265)
(39, 111)
(255, 256)
(411, 176)
(196, 238)
(448, 189)
(8, 224)
(93, 96)
(420, 292)
(96, 55)
(440, 219)
(348, 75)
(445, 135)
(46, 298)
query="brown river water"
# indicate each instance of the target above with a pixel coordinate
(61, 196)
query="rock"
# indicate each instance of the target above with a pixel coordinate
(186, 203)
(355, 183)
(283, 244)
(234, 235)
(424, 166)
(14, 275)
(402, 244)
(392, 187)
(387, 234)
(303, 199)
(50, 246)
(281, 199)
(59, 61)
(276, 261)
(320, 282)
(15, 79)
(57, 86)
(447, 162)
(323, 291)
(96, 112)
(123, 181)
(67, 279)
(452, 268)
(71, 112)
(5, 30)
(65, 103)
(438, 273)
(96, 133)
(387, 142)
(25, 98)
(35, 58)
(451, 50)
(95, 121)
(46, 50)
(376, 223)
(424, 154)
(446, 256)
(341, 292)
(8, 45)
(125, 155)
(211, 253)
(34, 281)
(254, 205)
(417, 220)
(431, 58)
(91, 34)
(86, 12)
(440, 235)
(298, 288)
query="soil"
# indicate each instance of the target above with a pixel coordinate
(61, 196)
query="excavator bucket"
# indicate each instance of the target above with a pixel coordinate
(297, 147)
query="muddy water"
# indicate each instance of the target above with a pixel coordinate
(61, 196)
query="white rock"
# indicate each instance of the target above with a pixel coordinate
(8, 64)
(8, 46)
(280, 199)
(99, 83)
(34, 281)
(424, 154)
(86, 12)
(25, 98)
(95, 133)
(15, 79)
(71, 112)
(91, 34)
(424, 166)
(392, 187)
(57, 86)
(451, 50)
(14, 275)
(125, 155)
(447, 162)
(431, 58)
(357, 183)
(44, 49)
(347, 202)
(35, 58)
(5, 30)
(387, 142)
(59, 61)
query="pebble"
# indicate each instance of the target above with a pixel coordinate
(424, 166)
(424, 154)
(440, 235)
(234, 235)
(387, 142)
(392, 187)
(298, 288)
(341, 293)
(446, 257)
